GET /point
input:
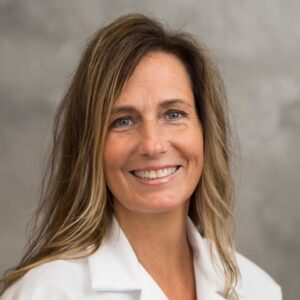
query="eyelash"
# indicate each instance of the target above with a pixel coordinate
(115, 123)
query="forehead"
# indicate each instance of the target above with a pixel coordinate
(158, 76)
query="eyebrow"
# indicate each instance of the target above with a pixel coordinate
(165, 103)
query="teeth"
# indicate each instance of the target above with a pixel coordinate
(155, 174)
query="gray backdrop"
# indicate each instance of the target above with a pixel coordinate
(256, 45)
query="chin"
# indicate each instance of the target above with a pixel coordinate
(159, 206)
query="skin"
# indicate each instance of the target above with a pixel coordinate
(156, 132)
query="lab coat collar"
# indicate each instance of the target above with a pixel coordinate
(209, 283)
(209, 276)
(115, 267)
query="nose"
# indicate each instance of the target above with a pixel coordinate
(153, 140)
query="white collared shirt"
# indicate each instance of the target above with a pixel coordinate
(113, 272)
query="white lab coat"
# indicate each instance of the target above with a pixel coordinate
(114, 273)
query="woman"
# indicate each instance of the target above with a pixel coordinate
(138, 201)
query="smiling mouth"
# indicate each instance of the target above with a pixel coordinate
(155, 174)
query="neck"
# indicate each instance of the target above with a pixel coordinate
(158, 240)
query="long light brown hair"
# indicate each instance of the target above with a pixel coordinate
(75, 210)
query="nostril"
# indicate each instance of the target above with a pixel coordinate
(153, 146)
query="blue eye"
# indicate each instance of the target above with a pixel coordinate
(122, 122)
(176, 114)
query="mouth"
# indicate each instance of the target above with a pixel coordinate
(152, 175)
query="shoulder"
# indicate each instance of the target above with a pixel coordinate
(58, 279)
(255, 282)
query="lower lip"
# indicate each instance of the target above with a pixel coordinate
(158, 181)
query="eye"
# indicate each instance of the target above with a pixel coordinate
(175, 114)
(122, 122)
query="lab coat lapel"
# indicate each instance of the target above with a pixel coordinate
(209, 284)
(114, 266)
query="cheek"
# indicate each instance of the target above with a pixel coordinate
(111, 155)
(191, 143)
(116, 153)
(112, 163)
(194, 151)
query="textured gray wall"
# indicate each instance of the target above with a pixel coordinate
(256, 44)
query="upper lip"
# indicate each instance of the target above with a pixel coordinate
(154, 167)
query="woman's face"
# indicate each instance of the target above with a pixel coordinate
(153, 154)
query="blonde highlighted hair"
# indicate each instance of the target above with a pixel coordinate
(75, 210)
